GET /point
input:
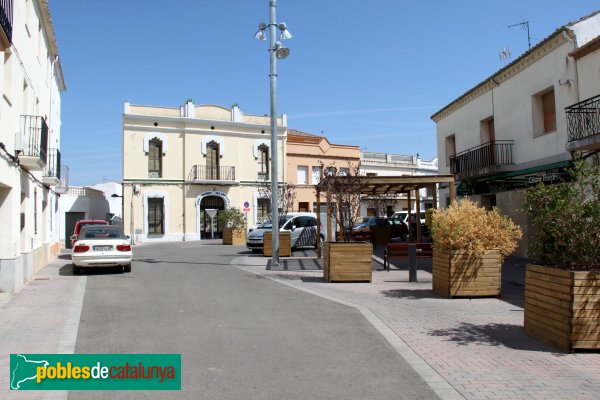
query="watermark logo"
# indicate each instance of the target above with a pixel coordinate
(95, 371)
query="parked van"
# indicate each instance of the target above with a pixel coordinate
(302, 225)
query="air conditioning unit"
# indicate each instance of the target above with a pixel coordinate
(137, 189)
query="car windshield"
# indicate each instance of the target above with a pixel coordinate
(101, 232)
(361, 220)
(269, 225)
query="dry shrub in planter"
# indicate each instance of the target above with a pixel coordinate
(469, 245)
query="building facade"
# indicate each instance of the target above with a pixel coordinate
(30, 119)
(514, 129)
(81, 203)
(384, 164)
(305, 155)
(182, 165)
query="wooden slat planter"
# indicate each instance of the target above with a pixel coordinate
(347, 262)
(562, 308)
(285, 244)
(234, 236)
(457, 274)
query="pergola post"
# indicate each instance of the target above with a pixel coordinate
(418, 215)
(318, 223)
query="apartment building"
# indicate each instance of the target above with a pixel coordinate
(30, 168)
(386, 164)
(525, 123)
(182, 165)
(305, 155)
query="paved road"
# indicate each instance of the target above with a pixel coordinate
(241, 336)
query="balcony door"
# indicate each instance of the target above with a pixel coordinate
(212, 160)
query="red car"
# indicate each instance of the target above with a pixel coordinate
(83, 222)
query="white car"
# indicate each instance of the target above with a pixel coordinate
(302, 225)
(101, 246)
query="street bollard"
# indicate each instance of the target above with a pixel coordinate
(412, 262)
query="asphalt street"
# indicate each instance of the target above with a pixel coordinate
(241, 336)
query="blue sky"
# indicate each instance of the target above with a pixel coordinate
(360, 72)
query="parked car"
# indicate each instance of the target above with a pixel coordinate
(101, 246)
(399, 228)
(363, 227)
(303, 228)
(84, 222)
(403, 216)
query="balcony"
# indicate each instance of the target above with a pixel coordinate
(32, 142)
(217, 175)
(583, 125)
(51, 175)
(6, 20)
(486, 159)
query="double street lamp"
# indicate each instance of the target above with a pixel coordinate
(276, 51)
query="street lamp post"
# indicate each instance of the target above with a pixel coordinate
(276, 51)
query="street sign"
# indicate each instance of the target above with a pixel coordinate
(246, 206)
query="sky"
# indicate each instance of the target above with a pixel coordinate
(360, 72)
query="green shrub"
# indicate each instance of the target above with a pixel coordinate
(470, 228)
(233, 218)
(567, 217)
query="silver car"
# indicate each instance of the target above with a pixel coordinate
(303, 228)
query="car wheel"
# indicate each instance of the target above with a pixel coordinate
(76, 270)
(403, 237)
(127, 268)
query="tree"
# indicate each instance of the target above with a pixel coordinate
(344, 186)
(381, 202)
(286, 194)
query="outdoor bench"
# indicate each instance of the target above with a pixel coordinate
(401, 250)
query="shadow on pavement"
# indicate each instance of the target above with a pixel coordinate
(67, 270)
(308, 264)
(508, 335)
(412, 294)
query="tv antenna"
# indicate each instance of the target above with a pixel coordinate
(504, 54)
(524, 25)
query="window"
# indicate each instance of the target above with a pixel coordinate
(303, 206)
(263, 162)
(316, 175)
(344, 171)
(450, 148)
(35, 212)
(544, 112)
(212, 160)
(549, 112)
(156, 215)
(302, 175)
(155, 158)
(262, 209)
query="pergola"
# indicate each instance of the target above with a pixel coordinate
(383, 185)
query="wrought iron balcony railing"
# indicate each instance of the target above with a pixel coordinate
(494, 153)
(583, 119)
(6, 17)
(32, 141)
(53, 168)
(212, 173)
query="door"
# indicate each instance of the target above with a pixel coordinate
(208, 231)
(71, 219)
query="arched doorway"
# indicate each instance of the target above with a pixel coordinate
(211, 203)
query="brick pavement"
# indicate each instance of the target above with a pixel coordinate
(476, 345)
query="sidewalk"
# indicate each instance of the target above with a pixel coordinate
(42, 318)
(476, 346)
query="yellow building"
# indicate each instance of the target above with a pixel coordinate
(181, 165)
(304, 154)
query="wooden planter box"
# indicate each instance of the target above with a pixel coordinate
(234, 236)
(457, 274)
(285, 244)
(347, 262)
(562, 308)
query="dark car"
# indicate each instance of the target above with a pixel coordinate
(399, 228)
(363, 227)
